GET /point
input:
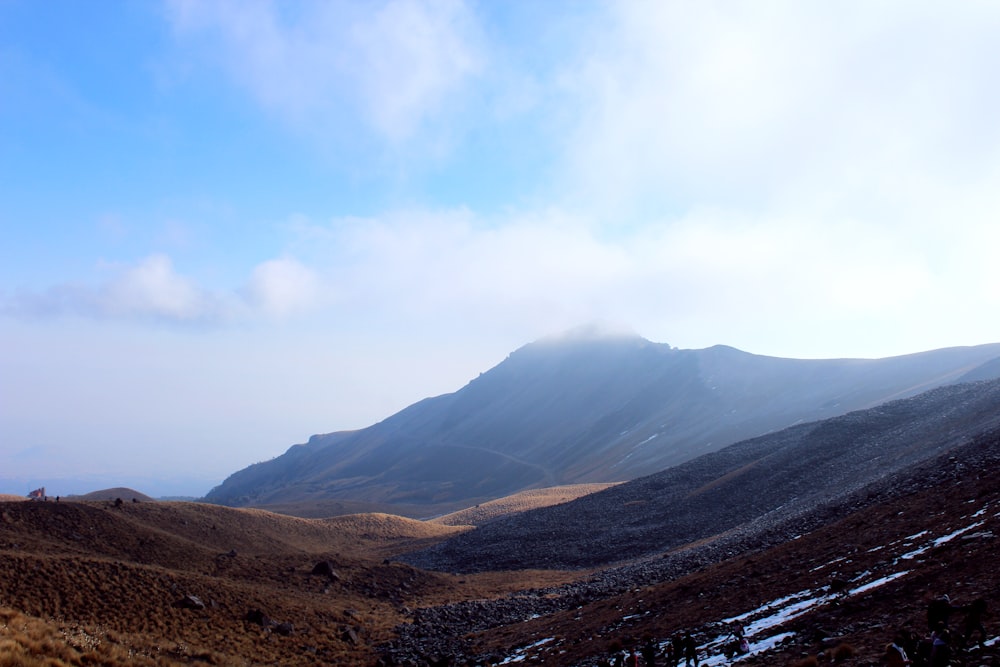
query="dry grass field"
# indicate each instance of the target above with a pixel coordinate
(161, 583)
(519, 502)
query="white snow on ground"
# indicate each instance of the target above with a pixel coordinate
(522, 655)
(878, 582)
(771, 615)
(768, 606)
(950, 536)
(765, 644)
(909, 555)
(820, 567)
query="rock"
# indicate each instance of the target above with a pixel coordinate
(257, 617)
(190, 602)
(350, 636)
(325, 568)
(285, 629)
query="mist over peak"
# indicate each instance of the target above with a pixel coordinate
(594, 332)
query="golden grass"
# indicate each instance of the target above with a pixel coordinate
(28, 641)
(519, 502)
(88, 583)
(10, 498)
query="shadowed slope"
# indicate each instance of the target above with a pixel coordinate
(563, 411)
(747, 487)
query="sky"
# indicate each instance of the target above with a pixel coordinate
(227, 226)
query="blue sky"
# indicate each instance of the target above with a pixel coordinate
(228, 226)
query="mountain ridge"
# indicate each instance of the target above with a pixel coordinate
(581, 409)
(747, 488)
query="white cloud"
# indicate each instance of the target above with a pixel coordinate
(397, 63)
(857, 105)
(280, 287)
(786, 285)
(153, 288)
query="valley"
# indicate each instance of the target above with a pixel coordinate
(821, 538)
(163, 583)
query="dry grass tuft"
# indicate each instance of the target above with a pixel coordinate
(842, 652)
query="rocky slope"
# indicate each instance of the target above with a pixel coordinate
(743, 488)
(840, 579)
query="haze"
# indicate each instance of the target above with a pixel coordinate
(229, 226)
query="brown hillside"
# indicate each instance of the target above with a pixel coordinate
(96, 583)
(518, 502)
(867, 571)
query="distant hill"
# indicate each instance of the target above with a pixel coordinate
(122, 492)
(739, 493)
(581, 409)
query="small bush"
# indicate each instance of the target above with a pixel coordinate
(842, 652)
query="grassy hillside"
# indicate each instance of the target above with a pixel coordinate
(92, 583)
(519, 502)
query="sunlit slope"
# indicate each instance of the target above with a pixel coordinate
(519, 502)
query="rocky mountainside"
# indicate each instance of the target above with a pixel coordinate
(743, 490)
(831, 585)
(581, 408)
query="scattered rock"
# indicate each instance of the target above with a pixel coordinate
(190, 602)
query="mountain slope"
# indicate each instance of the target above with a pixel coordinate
(743, 490)
(580, 409)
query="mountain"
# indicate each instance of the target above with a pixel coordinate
(832, 587)
(777, 483)
(164, 583)
(580, 408)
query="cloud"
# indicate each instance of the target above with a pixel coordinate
(846, 107)
(397, 63)
(780, 284)
(151, 290)
(148, 290)
(280, 287)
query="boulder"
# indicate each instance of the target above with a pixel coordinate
(257, 617)
(190, 602)
(325, 568)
